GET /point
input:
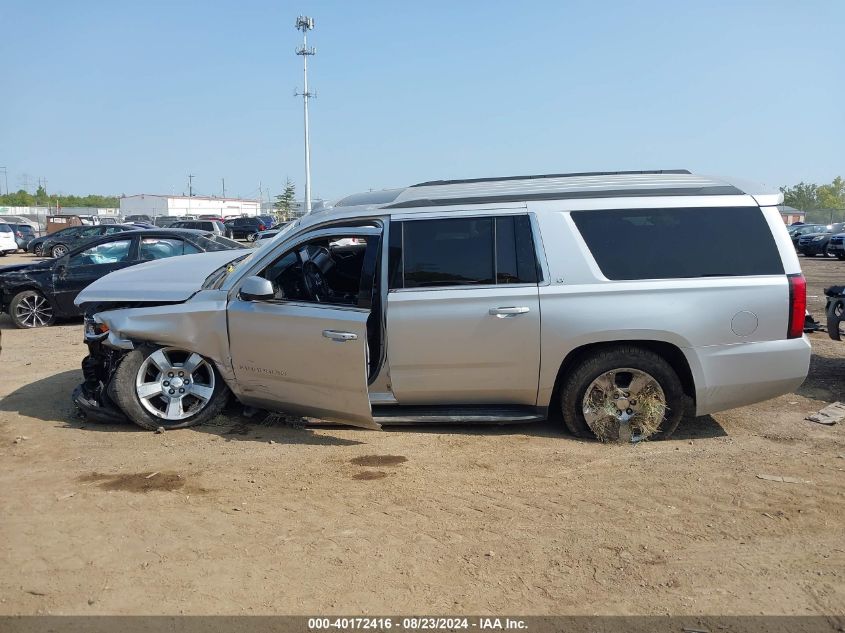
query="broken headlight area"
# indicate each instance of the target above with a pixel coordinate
(92, 398)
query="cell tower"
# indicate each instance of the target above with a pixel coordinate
(305, 24)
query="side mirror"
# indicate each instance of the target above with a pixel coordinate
(256, 289)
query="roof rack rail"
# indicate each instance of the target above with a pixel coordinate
(436, 183)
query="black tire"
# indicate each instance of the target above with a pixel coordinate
(45, 316)
(623, 356)
(127, 398)
(840, 256)
(810, 254)
(58, 250)
(251, 237)
(38, 251)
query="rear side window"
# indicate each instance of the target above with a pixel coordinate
(680, 243)
(462, 252)
(5, 228)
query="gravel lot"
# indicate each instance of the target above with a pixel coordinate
(248, 517)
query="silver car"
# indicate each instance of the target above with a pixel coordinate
(615, 301)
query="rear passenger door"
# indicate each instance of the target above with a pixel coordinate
(463, 311)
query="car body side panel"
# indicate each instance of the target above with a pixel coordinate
(284, 359)
(699, 316)
(445, 346)
(198, 325)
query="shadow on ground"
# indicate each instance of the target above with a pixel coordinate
(49, 399)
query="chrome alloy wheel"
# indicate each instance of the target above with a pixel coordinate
(624, 398)
(34, 311)
(173, 384)
(59, 251)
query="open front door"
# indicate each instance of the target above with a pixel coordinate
(304, 349)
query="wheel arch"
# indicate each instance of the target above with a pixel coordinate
(668, 351)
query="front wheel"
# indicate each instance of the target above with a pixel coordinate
(168, 387)
(30, 309)
(251, 237)
(626, 392)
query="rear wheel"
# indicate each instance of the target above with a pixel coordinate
(621, 393)
(59, 250)
(251, 237)
(30, 309)
(840, 256)
(38, 251)
(168, 387)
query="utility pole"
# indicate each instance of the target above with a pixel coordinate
(305, 24)
(260, 192)
(224, 187)
(190, 191)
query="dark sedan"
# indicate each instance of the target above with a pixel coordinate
(812, 244)
(796, 232)
(35, 295)
(246, 228)
(58, 244)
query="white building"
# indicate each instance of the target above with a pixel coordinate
(152, 205)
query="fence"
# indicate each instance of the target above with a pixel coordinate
(39, 214)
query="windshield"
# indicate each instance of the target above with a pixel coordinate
(211, 242)
(216, 279)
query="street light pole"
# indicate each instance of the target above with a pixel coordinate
(305, 24)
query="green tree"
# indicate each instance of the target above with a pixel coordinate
(832, 196)
(286, 201)
(803, 196)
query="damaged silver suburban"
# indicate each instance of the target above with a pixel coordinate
(615, 301)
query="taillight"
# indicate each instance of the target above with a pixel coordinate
(797, 305)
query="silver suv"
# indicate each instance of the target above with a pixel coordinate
(617, 301)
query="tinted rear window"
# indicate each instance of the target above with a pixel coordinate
(5, 228)
(680, 243)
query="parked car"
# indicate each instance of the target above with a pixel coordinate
(19, 219)
(269, 234)
(219, 218)
(213, 226)
(494, 300)
(35, 295)
(816, 243)
(36, 245)
(104, 219)
(795, 232)
(58, 244)
(8, 245)
(836, 246)
(24, 233)
(142, 217)
(246, 227)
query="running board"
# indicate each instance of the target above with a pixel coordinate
(390, 415)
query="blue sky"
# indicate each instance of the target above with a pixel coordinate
(129, 97)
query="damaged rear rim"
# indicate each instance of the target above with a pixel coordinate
(624, 404)
(174, 384)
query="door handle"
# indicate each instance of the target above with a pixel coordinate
(340, 337)
(508, 311)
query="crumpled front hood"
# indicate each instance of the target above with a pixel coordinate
(164, 280)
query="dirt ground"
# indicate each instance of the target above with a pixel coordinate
(248, 517)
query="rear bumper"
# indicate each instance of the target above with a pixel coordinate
(729, 376)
